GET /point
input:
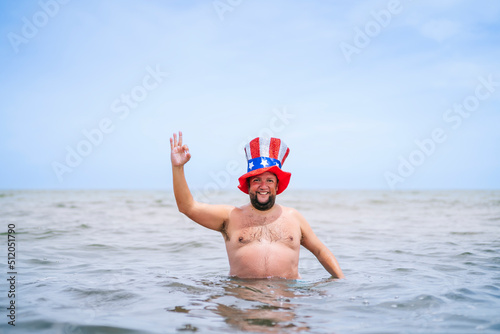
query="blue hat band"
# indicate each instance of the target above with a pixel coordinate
(262, 162)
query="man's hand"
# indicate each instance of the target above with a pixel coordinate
(179, 153)
(207, 215)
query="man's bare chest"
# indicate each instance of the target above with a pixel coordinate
(255, 230)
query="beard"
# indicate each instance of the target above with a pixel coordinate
(262, 206)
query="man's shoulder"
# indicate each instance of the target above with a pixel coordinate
(294, 214)
(289, 211)
(241, 208)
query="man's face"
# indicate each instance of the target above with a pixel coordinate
(262, 190)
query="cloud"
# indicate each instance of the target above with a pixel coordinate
(226, 78)
(440, 30)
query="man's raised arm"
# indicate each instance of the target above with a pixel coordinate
(209, 216)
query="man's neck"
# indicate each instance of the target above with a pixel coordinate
(263, 212)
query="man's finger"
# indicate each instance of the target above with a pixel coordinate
(180, 138)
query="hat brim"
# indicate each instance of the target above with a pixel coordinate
(283, 178)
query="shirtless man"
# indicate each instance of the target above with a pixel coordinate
(262, 239)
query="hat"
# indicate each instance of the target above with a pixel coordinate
(266, 155)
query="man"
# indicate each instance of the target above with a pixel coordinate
(262, 238)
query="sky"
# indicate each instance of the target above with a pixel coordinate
(390, 95)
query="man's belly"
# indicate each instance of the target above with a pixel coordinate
(263, 259)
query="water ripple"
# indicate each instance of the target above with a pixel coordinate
(128, 262)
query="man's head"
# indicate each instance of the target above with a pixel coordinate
(262, 189)
(265, 155)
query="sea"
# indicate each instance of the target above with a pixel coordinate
(115, 261)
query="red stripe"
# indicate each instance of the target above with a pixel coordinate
(255, 148)
(274, 148)
(284, 157)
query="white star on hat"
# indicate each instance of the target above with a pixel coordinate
(250, 165)
(264, 162)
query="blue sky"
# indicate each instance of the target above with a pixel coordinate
(367, 95)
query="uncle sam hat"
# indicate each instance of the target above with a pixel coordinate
(266, 155)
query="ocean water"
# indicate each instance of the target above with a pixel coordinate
(128, 262)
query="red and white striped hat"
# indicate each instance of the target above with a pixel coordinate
(266, 155)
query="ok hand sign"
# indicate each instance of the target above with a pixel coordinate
(179, 153)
